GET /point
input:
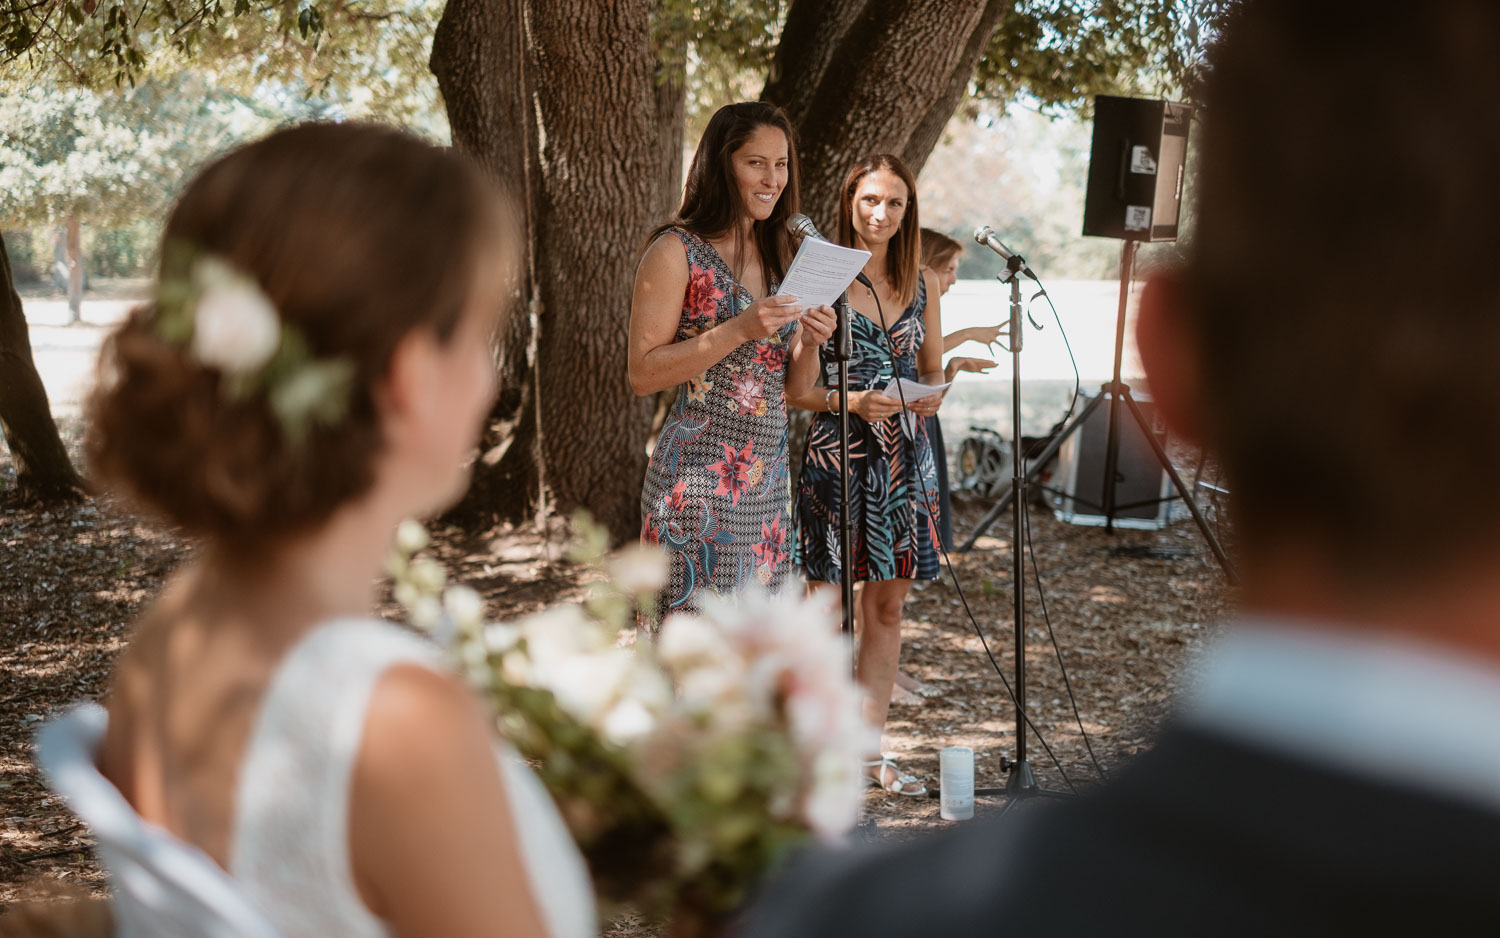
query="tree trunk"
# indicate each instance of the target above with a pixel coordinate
(925, 136)
(479, 58)
(594, 81)
(75, 271)
(563, 103)
(671, 118)
(43, 472)
(890, 70)
(809, 37)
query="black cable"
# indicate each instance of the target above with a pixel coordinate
(1052, 636)
(1041, 444)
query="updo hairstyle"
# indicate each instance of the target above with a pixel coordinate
(358, 235)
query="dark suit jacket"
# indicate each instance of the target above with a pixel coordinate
(1200, 836)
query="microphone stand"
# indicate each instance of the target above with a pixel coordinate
(1022, 782)
(843, 351)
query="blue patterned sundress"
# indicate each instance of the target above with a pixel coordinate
(893, 489)
(717, 493)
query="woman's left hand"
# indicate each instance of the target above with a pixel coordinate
(818, 323)
(927, 406)
(977, 365)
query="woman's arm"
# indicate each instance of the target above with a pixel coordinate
(802, 389)
(976, 365)
(984, 335)
(657, 360)
(433, 845)
(802, 369)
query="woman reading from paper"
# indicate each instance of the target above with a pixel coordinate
(287, 396)
(896, 333)
(706, 316)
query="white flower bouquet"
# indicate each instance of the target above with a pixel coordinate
(685, 767)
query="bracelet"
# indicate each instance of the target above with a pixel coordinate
(828, 400)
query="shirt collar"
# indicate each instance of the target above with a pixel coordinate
(1376, 705)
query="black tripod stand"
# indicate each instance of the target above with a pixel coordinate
(1021, 783)
(1117, 392)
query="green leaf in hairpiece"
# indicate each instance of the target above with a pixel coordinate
(316, 391)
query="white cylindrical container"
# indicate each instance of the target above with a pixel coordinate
(956, 776)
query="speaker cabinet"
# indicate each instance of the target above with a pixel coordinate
(1142, 487)
(1135, 168)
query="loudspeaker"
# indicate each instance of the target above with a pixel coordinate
(1142, 487)
(1135, 168)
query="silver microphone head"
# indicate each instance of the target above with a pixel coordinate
(983, 234)
(800, 224)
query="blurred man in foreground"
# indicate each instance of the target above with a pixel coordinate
(1334, 340)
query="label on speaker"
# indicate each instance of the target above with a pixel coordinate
(1141, 161)
(1137, 218)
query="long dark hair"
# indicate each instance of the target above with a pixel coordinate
(903, 254)
(711, 202)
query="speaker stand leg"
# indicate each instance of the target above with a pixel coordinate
(1123, 392)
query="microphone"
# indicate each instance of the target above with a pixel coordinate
(985, 235)
(803, 227)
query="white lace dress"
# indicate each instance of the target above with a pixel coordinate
(291, 837)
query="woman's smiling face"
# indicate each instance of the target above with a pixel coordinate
(761, 169)
(880, 200)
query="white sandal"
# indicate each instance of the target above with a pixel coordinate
(899, 784)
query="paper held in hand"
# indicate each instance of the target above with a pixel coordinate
(904, 390)
(821, 271)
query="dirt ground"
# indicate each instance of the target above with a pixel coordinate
(1126, 609)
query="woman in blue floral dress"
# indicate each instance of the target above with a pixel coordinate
(704, 318)
(892, 476)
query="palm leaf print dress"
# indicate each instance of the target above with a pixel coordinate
(893, 498)
(717, 494)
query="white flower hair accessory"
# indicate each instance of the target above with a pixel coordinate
(226, 322)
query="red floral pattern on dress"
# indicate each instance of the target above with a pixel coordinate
(733, 471)
(747, 391)
(677, 501)
(771, 357)
(703, 294)
(771, 547)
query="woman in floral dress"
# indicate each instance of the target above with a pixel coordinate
(892, 476)
(704, 317)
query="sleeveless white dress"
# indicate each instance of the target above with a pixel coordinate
(291, 832)
(289, 872)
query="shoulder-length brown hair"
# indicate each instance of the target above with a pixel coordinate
(903, 258)
(938, 248)
(711, 203)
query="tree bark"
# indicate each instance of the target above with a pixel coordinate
(562, 101)
(75, 271)
(925, 136)
(671, 118)
(44, 473)
(809, 38)
(596, 108)
(479, 58)
(889, 70)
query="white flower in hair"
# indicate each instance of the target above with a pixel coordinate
(235, 326)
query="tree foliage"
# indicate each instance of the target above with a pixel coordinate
(111, 158)
(369, 56)
(1060, 53)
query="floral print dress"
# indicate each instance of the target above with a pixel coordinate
(717, 494)
(893, 490)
